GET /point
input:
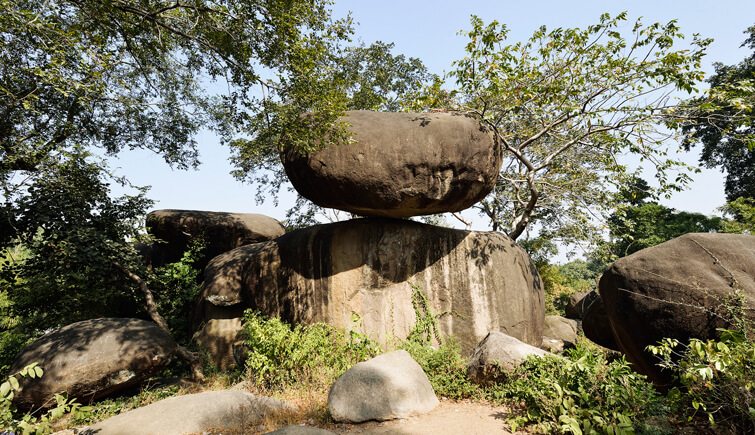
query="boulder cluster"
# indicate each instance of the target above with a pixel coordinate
(382, 270)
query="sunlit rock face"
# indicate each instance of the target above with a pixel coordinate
(401, 165)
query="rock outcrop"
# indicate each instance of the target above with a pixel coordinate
(402, 165)
(92, 359)
(373, 268)
(682, 289)
(578, 303)
(387, 387)
(597, 326)
(221, 232)
(561, 328)
(495, 354)
(192, 413)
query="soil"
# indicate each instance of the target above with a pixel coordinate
(450, 417)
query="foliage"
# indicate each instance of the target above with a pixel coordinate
(565, 105)
(580, 394)
(717, 378)
(73, 232)
(742, 211)
(560, 282)
(445, 368)
(175, 287)
(26, 423)
(280, 355)
(722, 123)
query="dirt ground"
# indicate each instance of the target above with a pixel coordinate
(450, 417)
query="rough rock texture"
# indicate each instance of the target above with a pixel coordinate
(92, 359)
(368, 267)
(402, 164)
(222, 232)
(597, 326)
(578, 304)
(678, 289)
(389, 386)
(301, 430)
(192, 413)
(561, 328)
(218, 337)
(497, 352)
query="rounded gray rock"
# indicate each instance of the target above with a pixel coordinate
(498, 352)
(387, 387)
(402, 165)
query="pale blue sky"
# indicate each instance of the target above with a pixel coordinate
(428, 30)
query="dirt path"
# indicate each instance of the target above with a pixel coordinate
(449, 417)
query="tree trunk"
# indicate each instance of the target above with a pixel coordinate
(191, 358)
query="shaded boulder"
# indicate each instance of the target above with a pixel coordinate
(375, 268)
(578, 304)
(561, 328)
(684, 288)
(221, 232)
(495, 354)
(597, 326)
(192, 413)
(92, 359)
(402, 165)
(218, 337)
(387, 387)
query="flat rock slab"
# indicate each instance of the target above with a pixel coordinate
(402, 165)
(373, 268)
(681, 289)
(387, 387)
(193, 413)
(92, 359)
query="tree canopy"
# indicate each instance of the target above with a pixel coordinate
(723, 124)
(567, 105)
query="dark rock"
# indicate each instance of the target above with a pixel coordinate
(402, 165)
(192, 413)
(218, 337)
(495, 354)
(387, 387)
(597, 326)
(578, 304)
(369, 267)
(92, 359)
(221, 231)
(680, 289)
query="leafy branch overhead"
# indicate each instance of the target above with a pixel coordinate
(567, 104)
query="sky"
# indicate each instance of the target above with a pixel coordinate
(428, 31)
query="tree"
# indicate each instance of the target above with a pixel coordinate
(566, 105)
(80, 78)
(640, 223)
(723, 124)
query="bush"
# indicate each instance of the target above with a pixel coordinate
(580, 394)
(717, 378)
(316, 355)
(445, 368)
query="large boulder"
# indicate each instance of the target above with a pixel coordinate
(498, 353)
(402, 164)
(374, 267)
(387, 387)
(92, 359)
(681, 289)
(192, 413)
(218, 337)
(578, 303)
(221, 232)
(561, 328)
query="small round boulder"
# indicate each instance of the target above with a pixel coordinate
(401, 165)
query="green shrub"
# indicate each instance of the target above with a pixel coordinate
(717, 378)
(280, 355)
(23, 424)
(445, 368)
(582, 393)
